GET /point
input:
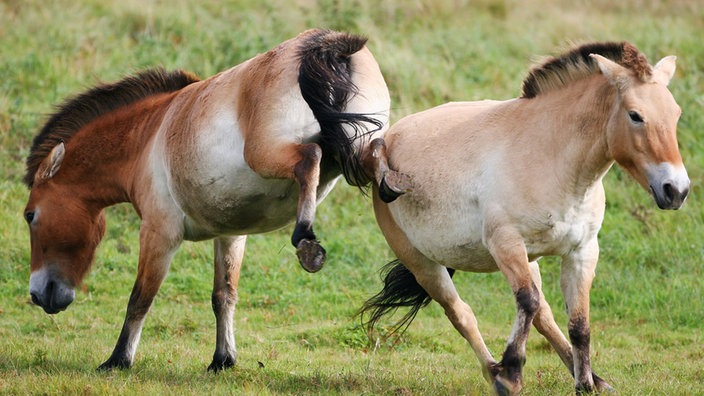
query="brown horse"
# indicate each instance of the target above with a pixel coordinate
(246, 151)
(506, 182)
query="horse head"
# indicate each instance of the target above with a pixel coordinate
(64, 233)
(642, 129)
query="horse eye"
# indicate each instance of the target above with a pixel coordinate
(29, 217)
(635, 117)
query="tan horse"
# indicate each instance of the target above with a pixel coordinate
(246, 151)
(498, 184)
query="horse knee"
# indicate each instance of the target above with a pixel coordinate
(221, 299)
(579, 332)
(528, 300)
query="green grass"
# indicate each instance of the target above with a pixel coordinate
(296, 332)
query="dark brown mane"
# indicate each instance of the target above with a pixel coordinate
(78, 111)
(576, 64)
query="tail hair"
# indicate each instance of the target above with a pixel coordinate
(400, 290)
(326, 85)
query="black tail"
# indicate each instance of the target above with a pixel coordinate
(325, 81)
(400, 290)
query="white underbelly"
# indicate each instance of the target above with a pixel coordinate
(241, 203)
(449, 236)
(219, 194)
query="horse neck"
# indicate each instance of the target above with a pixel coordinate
(102, 158)
(575, 120)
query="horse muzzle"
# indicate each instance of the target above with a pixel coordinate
(669, 185)
(50, 292)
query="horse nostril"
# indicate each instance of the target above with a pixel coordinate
(685, 193)
(669, 193)
(35, 299)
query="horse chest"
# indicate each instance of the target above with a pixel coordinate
(551, 235)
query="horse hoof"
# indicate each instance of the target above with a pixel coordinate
(503, 387)
(393, 185)
(311, 255)
(111, 364)
(601, 386)
(221, 364)
(501, 390)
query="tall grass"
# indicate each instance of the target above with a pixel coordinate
(295, 331)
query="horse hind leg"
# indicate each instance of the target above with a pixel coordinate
(462, 318)
(299, 162)
(229, 252)
(392, 184)
(310, 254)
(435, 281)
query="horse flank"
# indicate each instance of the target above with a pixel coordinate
(76, 112)
(576, 64)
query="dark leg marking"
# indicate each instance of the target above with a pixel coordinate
(509, 378)
(221, 360)
(137, 309)
(579, 333)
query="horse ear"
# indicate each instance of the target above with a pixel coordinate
(664, 69)
(615, 73)
(51, 163)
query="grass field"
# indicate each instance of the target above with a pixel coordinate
(296, 332)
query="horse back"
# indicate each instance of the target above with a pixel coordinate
(451, 129)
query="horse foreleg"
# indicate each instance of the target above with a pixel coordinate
(229, 252)
(392, 184)
(576, 281)
(154, 258)
(509, 252)
(544, 322)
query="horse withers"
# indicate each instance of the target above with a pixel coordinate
(498, 184)
(246, 151)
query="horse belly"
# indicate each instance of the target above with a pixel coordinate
(241, 205)
(220, 194)
(450, 236)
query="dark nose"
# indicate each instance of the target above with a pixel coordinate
(674, 197)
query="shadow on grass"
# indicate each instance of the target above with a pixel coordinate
(39, 373)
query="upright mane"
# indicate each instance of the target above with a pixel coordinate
(576, 64)
(78, 111)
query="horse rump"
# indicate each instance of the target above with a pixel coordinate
(325, 79)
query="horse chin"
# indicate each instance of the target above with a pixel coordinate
(51, 294)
